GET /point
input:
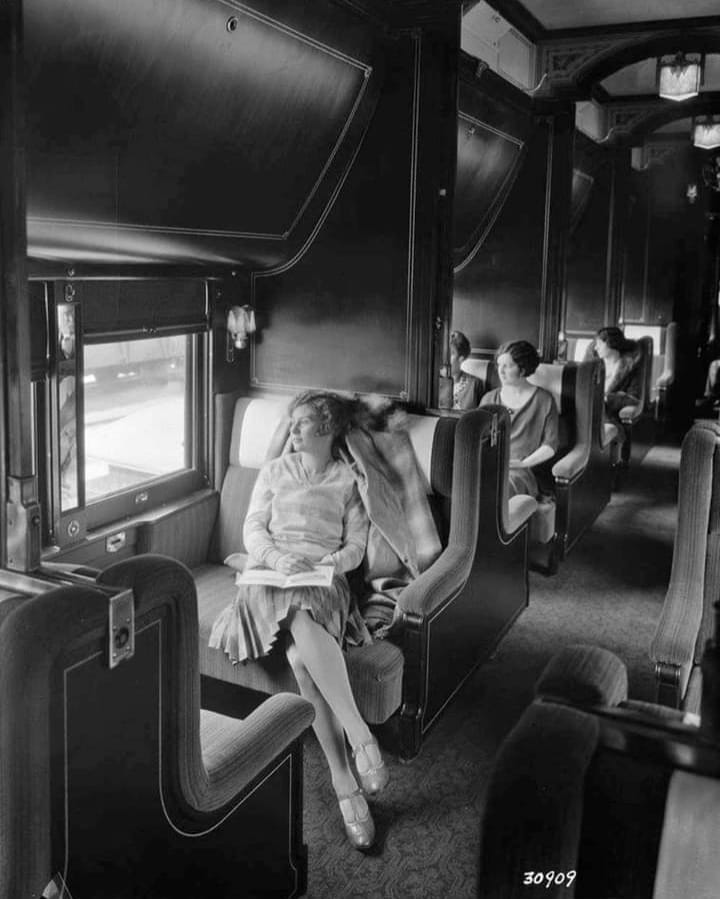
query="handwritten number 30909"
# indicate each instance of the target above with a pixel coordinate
(548, 878)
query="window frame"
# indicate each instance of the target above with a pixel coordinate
(64, 529)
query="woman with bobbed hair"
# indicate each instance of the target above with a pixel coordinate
(622, 372)
(467, 389)
(533, 415)
(305, 510)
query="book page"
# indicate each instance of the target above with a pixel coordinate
(321, 576)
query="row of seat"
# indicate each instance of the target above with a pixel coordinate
(452, 615)
(583, 471)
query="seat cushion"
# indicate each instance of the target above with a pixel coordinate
(375, 670)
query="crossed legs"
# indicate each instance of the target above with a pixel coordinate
(319, 667)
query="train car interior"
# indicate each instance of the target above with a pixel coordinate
(359, 449)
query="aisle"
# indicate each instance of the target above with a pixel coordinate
(609, 592)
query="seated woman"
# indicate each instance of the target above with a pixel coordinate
(533, 415)
(467, 389)
(305, 510)
(622, 385)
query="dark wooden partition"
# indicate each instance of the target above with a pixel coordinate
(502, 210)
(589, 244)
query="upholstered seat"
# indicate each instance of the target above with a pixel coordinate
(479, 579)
(596, 797)
(581, 475)
(113, 782)
(686, 619)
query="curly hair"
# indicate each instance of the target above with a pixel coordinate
(615, 339)
(335, 413)
(522, 353)
(460, 343)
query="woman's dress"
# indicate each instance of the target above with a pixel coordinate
(531, 425)
(318, 516)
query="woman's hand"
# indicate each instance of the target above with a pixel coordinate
(290, 563)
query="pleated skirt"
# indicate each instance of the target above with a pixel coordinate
(249, 626)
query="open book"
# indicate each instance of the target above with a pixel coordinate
(321, 576)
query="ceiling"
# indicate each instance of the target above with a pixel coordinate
(562, 14)
(604, 51)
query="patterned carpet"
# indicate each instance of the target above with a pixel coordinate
(609, 592)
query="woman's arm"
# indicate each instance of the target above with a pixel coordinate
(256, 535)
(355, 530)
(541, 454)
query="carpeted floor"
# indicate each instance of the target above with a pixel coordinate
(608, 592)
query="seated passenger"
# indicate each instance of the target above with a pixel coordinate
(622, 373)
(305, 509)
(467, 389)
(533, 414)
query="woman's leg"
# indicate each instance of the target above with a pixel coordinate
(327, 728)
(322, 657)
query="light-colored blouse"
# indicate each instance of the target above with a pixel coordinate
(318, 516)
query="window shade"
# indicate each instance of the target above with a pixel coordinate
(112, 307)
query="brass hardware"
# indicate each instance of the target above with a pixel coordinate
(121, 628)
(115, 542)
(232, 24)
(494, 431)
(73, 528)
(141, 498)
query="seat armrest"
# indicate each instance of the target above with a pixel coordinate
(665, 379)
(441, 581)
(572, 464)
(677, 630)
(520, 509)
(235, 751)
(630, 414)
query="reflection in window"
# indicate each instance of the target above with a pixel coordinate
(135, 413)
(68, 443)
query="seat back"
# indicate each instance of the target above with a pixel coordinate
(645, 365)
(588, 797)
(102, 765)
(484, 369)
(259, 430)
(686, 619)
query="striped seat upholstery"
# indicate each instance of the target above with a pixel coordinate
(100, 763)
(686, 619)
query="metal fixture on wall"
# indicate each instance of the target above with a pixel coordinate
(240, 325)
(679, 77)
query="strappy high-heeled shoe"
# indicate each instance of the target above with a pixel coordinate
(370, 767)
(359, 825)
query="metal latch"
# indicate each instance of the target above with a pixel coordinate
(121, 628)
(494, 430)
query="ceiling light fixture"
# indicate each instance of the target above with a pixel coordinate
(706, 133)
(679, 77)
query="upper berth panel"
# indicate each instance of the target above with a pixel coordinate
(188, 130)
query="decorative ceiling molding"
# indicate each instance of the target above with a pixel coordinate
(571, 66)
(631, 122)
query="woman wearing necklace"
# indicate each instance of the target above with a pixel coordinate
(533, 415)
(305, 510)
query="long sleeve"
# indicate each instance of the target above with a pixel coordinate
(355, 531)
(256, 535)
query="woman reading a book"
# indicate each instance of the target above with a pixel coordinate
(305, 511)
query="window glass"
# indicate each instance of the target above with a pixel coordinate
(136, 412)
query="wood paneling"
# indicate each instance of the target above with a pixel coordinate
(339, 317)
(158, 130)
(498, 294)
(588, 248)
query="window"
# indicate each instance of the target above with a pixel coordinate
(136, 413)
